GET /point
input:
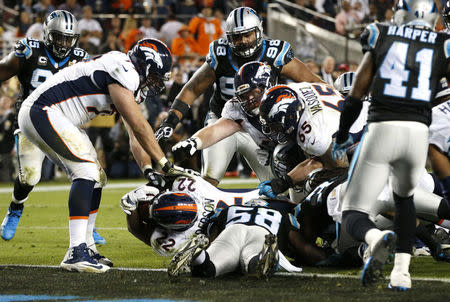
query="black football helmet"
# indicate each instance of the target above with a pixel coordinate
(153, 62)
(280, 113)
(250, 76)
(446, 14)
(174, 211)
(285, 158)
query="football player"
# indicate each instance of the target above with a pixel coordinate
(244, 44)
(242, 236)
(239, 116)
(397, 58)
(33, 61)
(52, 114)
(308, 114)
(157, 230)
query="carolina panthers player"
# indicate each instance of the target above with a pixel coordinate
(52, 114)
(244, 44)
(240, 114)
(163, 237)
(33, 61)
(306, 113)
(397, 57)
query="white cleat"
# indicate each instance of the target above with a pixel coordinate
(268, 261)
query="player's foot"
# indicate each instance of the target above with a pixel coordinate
(97, 238)
(377, 254)
(182, 261)
(9, 224)
(100, 258)
(400, 281)
(268, 261)
(78, 259)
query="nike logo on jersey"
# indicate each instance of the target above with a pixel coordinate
(126, 70)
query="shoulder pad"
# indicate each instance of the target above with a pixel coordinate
(120, 68)
(286, 53)
(80, 52)
(369, 37)
(23, 48)
(217, 48)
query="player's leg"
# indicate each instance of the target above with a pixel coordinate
(368, 175)
(247, 147)
(29, 158)
(406, 172)
(216, 158)
(66, 145)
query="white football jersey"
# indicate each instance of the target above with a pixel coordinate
(167, 242)
(440, 127)
(80, 91)
(320, 119)
(232, 110)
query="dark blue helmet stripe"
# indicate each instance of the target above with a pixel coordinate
(65, 18)
(235, 18)
(71, 21)
(242, 16)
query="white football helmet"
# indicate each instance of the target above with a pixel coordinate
(240, 21)
(416, 12)
(344, 82)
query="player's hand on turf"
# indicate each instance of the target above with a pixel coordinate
(263, 157)
(144, 193)
(188, 146)
(340, 149)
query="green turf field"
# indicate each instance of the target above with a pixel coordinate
(42, 239)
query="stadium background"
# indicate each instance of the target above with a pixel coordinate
(323, 34)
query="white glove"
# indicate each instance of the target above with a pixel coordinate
(263, 157)
(189, 145)
(144, 193)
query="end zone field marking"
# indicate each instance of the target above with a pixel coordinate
(308, 275)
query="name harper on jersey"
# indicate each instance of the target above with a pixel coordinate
(311, 99)
(445, 107)
(406, 32)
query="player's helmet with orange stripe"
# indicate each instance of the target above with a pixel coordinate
(153, 62)
(280, 113)
(250, 76)
(174, 210)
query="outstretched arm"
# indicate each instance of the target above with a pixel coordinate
(216, 132)
(9, 67)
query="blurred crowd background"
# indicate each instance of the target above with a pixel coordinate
(187, 27)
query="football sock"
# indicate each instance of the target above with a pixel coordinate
(207, 269)
(404, 223)
(21, 191)
(200, 258)
(444, 209)
(401, 262)
(95, 203)
(425, 236)
(357, 224)
(80, 197)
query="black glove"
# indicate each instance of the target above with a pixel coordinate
(173, 170)
(154, 178)
(165, 130)
(279, 185)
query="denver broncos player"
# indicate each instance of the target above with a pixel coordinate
(239, 116)
(34, 61)
(53, 113)
(244, 44)
(163, 224)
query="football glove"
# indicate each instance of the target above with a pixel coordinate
(271, 188)
(154, 178)
(144, 193)
(171, 169)
(339, 150)
(263, 156)
(165, 130)
(189, 145)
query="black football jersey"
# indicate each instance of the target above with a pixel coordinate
(272, 220)
(275, 53)
(409, 64)
(37, 63)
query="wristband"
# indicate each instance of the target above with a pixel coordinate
(198, 141)
(146, 167)
(180, 106)
(162, 162)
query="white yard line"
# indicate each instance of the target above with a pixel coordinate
(308, 275)
(44, 188)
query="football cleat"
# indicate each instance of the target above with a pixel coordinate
(100, 258)
(399, 281)
(268, 261)
(78, 259)
(181, 263)
(377, 255)
(9, 224)
(97, 238)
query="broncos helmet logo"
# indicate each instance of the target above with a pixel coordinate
(152, 54)
(280, 106)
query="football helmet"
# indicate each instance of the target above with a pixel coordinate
(153, 62)
(174, 210)
(250, 76)
(280, 113)
(240, 21)
(344, 82)
(446, 14)
(60, 33)
(285, 158)
(416, 12)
